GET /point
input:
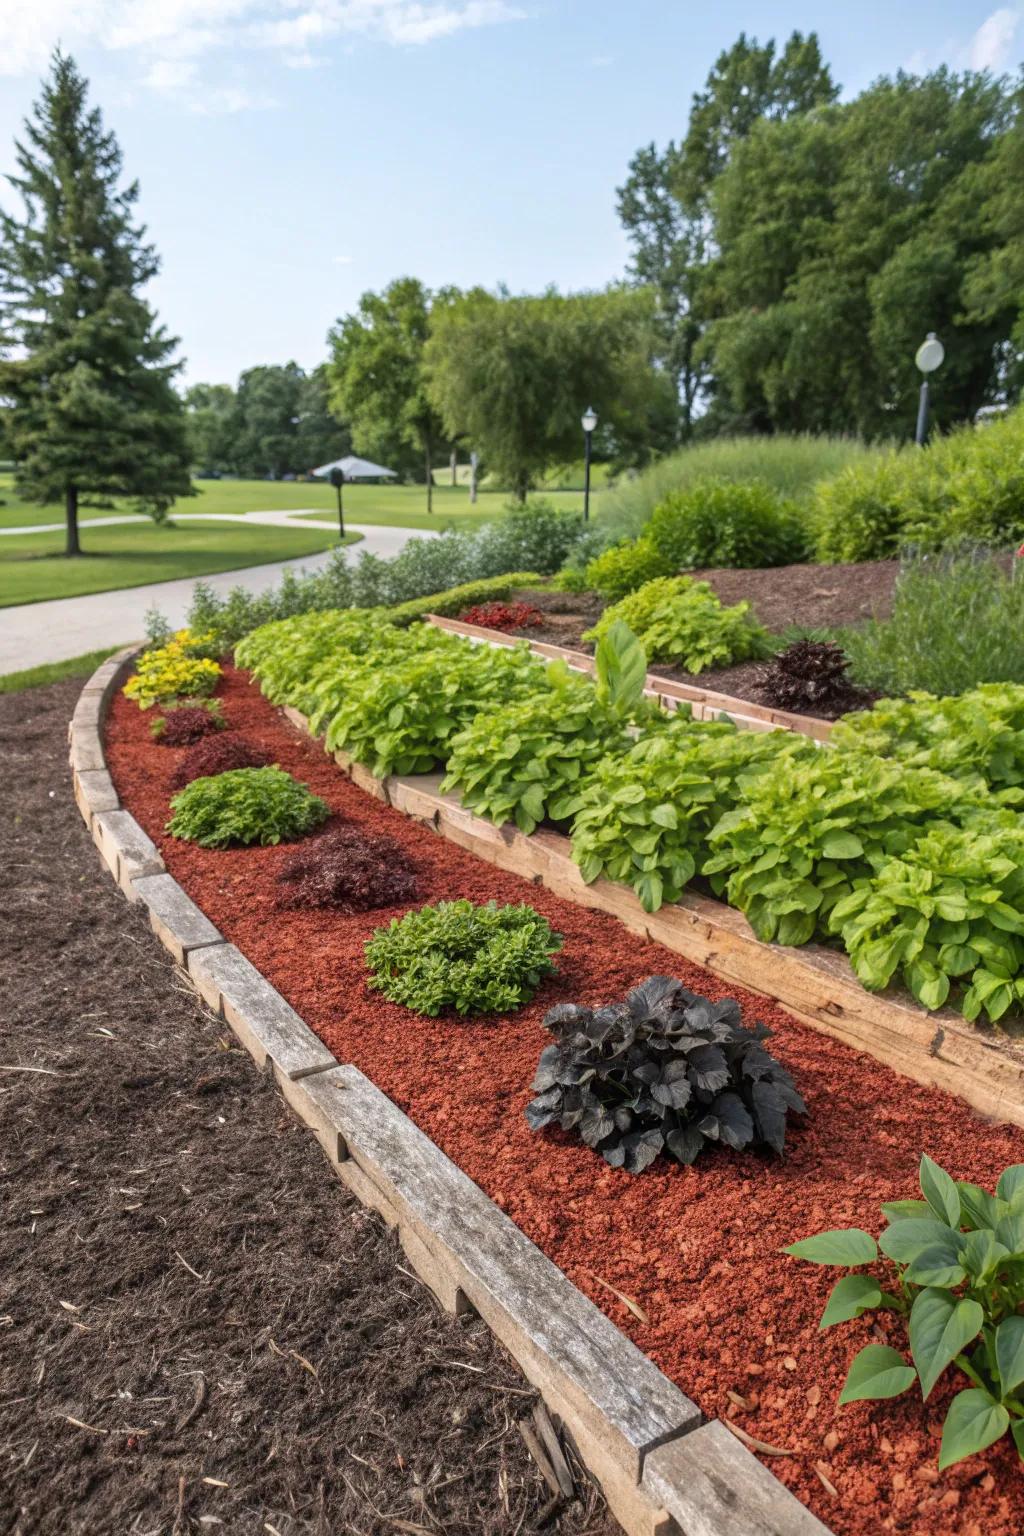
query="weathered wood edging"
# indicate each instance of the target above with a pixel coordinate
(816, 984)
(705, 703)
(664, 1471)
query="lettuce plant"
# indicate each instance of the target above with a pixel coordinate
(807, 831)
(664, 1071)
(246, 805)
(981, 732)
(645, 815)
(957, 1261)
(948, 914)
(530, 759)
(677, 619)
(486, 959)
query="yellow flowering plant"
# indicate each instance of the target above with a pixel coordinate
(175, 670)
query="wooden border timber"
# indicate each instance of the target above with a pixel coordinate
(817, 985)
(663, 1471)
(704, 702)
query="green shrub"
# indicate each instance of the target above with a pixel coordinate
(977, 733)
(745, 524)
(454, 599)
(486, 959)
(285, 655)
(677, 619)
(624, 567)
(961, 1292)
(792, 465)
(400, 717)
(859, 514)
(246, 805)
(529, 760)
(645, 816)
(948, 915)
(806, 832)
(665, 1072)
(957, 621)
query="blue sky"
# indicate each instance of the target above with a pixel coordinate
(293, 153)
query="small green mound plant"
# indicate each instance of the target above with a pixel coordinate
(245, 805)
(744, 524)
(625, 567)
(679, 620)
(958, 1279)
(473, 959)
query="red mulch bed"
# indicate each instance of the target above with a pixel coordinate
(699, 1248)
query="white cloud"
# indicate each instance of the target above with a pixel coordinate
(164, 31)
(342, 261)
(990, 46)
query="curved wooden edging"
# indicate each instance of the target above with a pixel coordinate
(705, 703)
(663, 1470)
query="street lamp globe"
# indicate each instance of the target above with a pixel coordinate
(930, 354)
(589, 419)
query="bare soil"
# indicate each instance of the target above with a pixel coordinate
(805, 597)
(724, 1312)
(200, 1329)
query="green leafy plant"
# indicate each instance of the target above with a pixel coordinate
(454, 599)
(958, 1279)
(246, 805)
(645, 815)
(978, 733)
(402, 718)
(473, 959)
(665, 1071)
(677, 619)
(529, 760)
(715, 523)
(625, 567)
(948, 916)
(178, 669)
(807, 831)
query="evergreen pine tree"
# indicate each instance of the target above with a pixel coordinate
(92, 406)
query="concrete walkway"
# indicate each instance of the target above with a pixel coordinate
(34, 633)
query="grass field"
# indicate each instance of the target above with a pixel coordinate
(55, 671)
(32, 567)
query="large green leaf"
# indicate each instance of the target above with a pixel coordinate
(980, 1253)
(977, 1207)
(851, 1296)
(1010, 1353)
(974, 1421)
(940, 1327)
(904, 1240)
(877, 1372)
(940, 1191)
(845, 1247)
(1011, 1183)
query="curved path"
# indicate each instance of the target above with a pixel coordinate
(285, 517)
(34, 633)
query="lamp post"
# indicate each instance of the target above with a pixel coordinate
(337, 479)
(929, 356)
(589, 422)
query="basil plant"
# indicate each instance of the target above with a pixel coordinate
(958, 1257)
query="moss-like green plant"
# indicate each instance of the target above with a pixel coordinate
(486, 959)
(245, 805)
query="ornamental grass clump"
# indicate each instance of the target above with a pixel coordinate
(215, 754)
(246, 805)
(475, 960)
(957, 1288)
(666, 1072)
(679, 620)
(348, 869)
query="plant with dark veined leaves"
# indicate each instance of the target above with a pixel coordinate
(530, 759)
(347, 868)
(665, 1071)
(485, 959)
(246, 805)
(215, 754)
(958, 1256)
(809, 676)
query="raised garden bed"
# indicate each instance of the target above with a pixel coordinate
(725, 1314)
(805, 596)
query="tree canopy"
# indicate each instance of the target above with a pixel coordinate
(92, 406)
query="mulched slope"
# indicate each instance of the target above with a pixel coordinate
(808, 596)
(147, 1143)
(699, 1249)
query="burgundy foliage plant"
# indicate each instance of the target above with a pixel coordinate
(504, 616)
(347, 868)
(217, 754)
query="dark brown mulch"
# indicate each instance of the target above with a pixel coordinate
(200, 1329)
(800, 596)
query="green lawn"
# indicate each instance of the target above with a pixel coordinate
(55, 671)
(32, 567)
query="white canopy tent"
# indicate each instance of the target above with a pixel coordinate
(355, 469)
